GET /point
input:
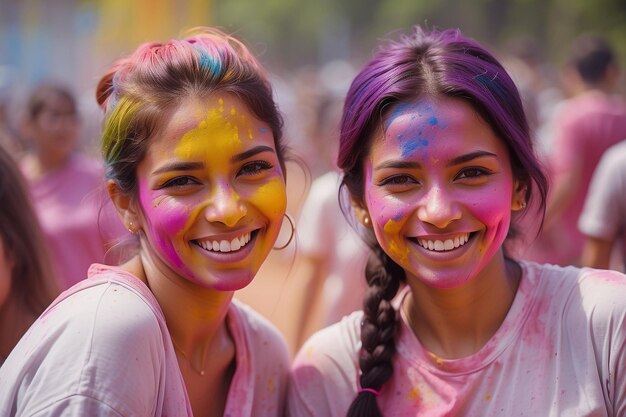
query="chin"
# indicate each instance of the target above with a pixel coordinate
(231, 281)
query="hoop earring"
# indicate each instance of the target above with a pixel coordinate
(293, 232)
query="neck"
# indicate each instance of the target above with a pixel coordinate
(457, 322)
(195, 316)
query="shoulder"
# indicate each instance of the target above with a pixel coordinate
(324, 374)
(330, 350)
(614, 157)
(107, 339)
(572, 278)
(115, 314)
(603, 290)
(593, 296)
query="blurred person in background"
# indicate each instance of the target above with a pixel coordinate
(603, 219)
(332, 255)
(67, 186)
(538, 85)
(584, 127)
(27, 285)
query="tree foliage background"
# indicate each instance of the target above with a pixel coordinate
(301, 32)
(39, 37)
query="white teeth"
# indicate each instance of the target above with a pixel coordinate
(224, 245)
(448, 244)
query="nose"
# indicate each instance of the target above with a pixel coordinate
(438, 208)
(225, 206)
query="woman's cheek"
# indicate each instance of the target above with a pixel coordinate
(166, 222)
(271, 198)
(388, 219)
(166, 214)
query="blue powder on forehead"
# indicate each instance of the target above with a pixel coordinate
(409, 147)
(412, 139)
(420, 107)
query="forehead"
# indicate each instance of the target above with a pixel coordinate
(419, 128)
(222, 118)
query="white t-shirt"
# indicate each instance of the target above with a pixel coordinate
(103, 349)
(560, 351)
(323, 232)
(604, 213)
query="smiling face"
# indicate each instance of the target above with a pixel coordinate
(211, 194)
(439, 191)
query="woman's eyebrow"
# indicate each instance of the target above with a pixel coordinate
(402, 164)
(470, 156)
(179, 166)
(251, 152)
(399, 164)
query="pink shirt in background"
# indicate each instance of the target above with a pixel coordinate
(78, 219)
(561, 351)
(103, 349)
(584, 128)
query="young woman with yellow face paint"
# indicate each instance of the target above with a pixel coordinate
(195, 164)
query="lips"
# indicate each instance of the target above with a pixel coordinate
(224, 246)
(445, 244)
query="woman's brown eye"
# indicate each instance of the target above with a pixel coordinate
(178, 182)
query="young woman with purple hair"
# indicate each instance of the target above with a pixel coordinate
(437, 156)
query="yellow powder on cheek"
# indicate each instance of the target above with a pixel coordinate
(395, 248)
(271, 197)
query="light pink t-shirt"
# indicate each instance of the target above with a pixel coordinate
(77, 217)
(103, 349)
(561, 351)
(584, 128)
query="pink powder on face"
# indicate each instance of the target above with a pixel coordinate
(422, 192)
(165, 218)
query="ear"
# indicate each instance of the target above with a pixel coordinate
(361, 213)
(125, 206)
(518, 201)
